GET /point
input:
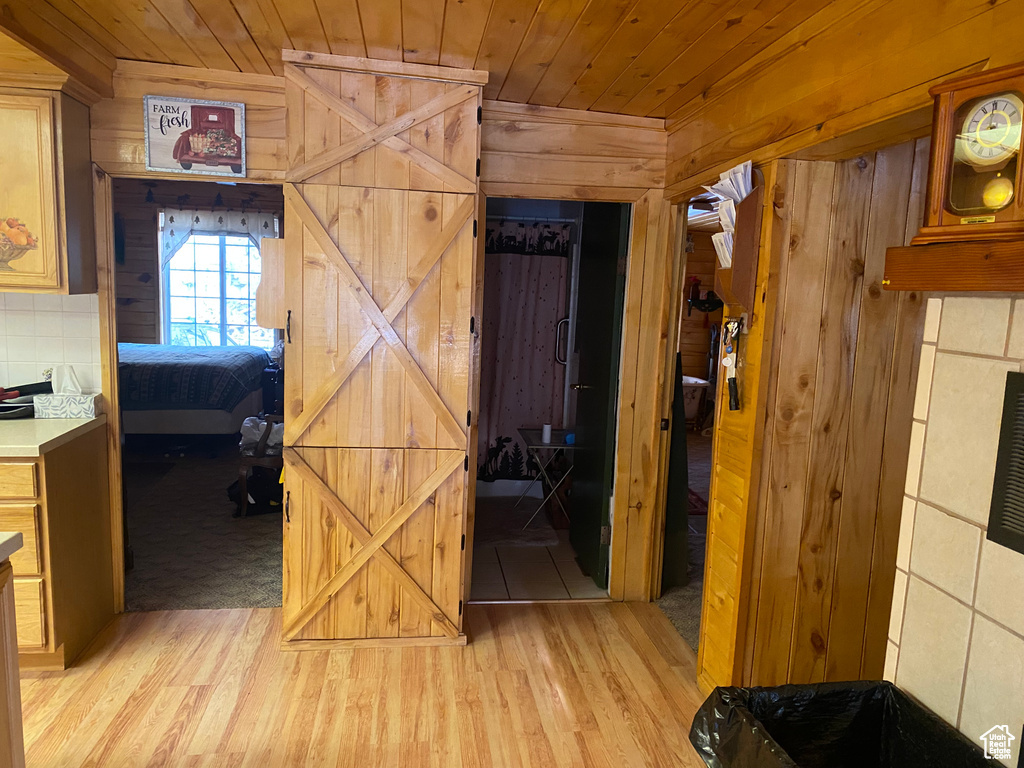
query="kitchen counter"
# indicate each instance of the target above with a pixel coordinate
(34, 437)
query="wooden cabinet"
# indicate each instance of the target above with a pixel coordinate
(63, 586)
(46, 219)
(12, 740)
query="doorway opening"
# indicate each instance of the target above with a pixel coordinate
(551, 330)
(200, 395)
(693, 414)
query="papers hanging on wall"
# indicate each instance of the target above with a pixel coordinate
(723, 247)
(733, 185)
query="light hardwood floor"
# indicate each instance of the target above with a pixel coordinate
(589, 685)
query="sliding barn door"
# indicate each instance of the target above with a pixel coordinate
(380, 212)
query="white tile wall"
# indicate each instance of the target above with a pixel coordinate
(956, 634)
(40, 331)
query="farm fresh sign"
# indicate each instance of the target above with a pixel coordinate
(189, 136)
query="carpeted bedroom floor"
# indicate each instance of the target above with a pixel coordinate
(189, 551)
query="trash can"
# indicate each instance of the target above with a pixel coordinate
(829, 725)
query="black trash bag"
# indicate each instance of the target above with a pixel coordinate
(829, 725)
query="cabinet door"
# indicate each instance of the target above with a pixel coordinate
(29, 246)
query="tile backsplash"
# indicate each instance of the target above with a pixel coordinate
(40, 331)
(956, 635)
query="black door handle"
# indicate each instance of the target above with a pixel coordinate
(288, 326)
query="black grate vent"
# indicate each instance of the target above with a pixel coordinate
(1006, 517)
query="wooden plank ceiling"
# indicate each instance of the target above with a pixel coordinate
(636, 57)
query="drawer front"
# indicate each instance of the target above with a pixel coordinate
(23, 518)
(18, 481)
(29, 612)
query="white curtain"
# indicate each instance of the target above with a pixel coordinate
(177, 225)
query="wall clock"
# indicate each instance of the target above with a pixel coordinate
(976, 173)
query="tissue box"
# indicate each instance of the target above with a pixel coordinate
(66, 406)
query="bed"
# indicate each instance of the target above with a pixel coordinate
(166, 389)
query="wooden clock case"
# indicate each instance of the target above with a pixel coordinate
(951, 253)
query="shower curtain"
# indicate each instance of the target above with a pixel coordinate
(521, 384)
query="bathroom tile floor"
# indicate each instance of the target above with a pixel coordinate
(530, 573)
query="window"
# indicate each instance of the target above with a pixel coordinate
(209, 293)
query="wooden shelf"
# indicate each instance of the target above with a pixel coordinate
(973, 266)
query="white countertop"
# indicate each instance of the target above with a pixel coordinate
(34, 437)
(9, 544)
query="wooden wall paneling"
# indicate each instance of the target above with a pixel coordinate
(799, 321)
(735, 524)
(694, 338)
(909, 328)
(677, 257)
(474, 395)
(117, 128)
(646, 328)
(529, 151)
(622, 510)
(839, 407)
(105, 271)
(842, 277)
(896, 443)
(875, 344)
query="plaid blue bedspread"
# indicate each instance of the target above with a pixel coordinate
(165, 377)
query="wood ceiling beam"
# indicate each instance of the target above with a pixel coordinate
(41, 29)
(824, 80)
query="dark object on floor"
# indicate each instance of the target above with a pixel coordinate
(263, 493)
(264, 456)
(675, 563)
(830, 725)
(698, 505)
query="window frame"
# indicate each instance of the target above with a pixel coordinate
(165, 287)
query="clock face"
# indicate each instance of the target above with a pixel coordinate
(991, 131)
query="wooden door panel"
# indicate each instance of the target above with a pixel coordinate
(379, 283)
(411, 254)
(336, 114)
(405, 585)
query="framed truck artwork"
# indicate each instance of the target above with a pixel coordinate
(190, 136)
